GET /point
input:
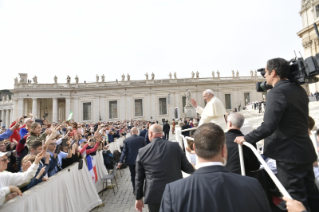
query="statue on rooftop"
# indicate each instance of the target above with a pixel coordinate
(153, 76)
(97, 78)
(193, 74)
(103, 78)
(170, 75)
(68, 79)
(76, 79)
(123, 77)
(146, 75)
(197, 74)
(55, 79)
(218, 74)
(213, 74)
(233, 73)
(35, 80)
(255, 73)
(175, 77)
(237, 73)
(251, 73)
(16, 80)
(128, 77)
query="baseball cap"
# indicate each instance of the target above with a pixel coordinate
(80, 142)
(5, 153)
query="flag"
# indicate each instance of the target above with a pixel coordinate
(70, 116)
(92, 167)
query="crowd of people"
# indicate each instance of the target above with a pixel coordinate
(31, 153)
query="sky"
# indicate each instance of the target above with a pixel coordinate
(85, 38)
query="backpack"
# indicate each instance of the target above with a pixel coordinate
(108, 159)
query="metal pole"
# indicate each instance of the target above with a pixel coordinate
(241, 158)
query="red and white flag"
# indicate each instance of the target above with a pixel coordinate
(92, 168)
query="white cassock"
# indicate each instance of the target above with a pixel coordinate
(213, 112)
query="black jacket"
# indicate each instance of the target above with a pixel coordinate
(212, 188)
(285, 126)
(159, 163)
(233, 163)
(166, 128)
(143, 132)
(131, 146)
(184, 127)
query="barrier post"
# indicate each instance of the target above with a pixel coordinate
(241, 158)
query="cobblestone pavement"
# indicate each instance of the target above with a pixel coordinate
(124, 199)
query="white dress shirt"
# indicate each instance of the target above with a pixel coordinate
(200, 165)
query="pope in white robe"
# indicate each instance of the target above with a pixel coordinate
(213, 112)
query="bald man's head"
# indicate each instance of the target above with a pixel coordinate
(155, 131)
(134, 131)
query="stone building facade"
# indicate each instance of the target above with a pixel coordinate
(310, 14)
(151, 99)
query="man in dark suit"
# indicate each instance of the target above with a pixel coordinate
(131, 146)
(166, 129)
(211, 187)
(234, 122)
(143, 132)
(158, 163)
(285, 130)
(184, 127)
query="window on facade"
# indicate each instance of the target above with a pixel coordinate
(228, 101)
(138, 107)
(247, 97)
(162, 106)
(317, 10)
(113, 109)
(87, 111)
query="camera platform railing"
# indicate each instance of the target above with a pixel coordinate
(281, 188)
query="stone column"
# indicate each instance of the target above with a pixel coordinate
(54, 110)
(15, 109)
(177, 103)
(20, 107)
(2, 118)
(35, 107)
(128, 107)
(8, 118)
(171, 106)
(38, 112)
(11, 115)
(103, 108)
(76, 109)
(121, 105)
(25, 110)
(147, 109)
(96, 111)
(67, 107)
(154, 110)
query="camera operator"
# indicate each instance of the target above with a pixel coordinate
(285, 130)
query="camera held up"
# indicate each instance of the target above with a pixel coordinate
(300, 71)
